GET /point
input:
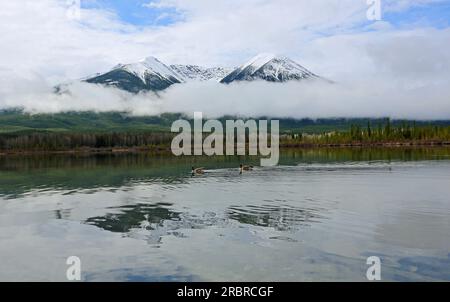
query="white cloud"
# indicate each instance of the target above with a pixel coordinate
(362, 98)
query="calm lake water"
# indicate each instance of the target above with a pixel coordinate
(316, 217)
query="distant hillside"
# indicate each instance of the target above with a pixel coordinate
(15, 121)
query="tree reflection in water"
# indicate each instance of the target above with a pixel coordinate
(153, 221)
(281, 218)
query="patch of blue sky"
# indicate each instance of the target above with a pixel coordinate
(435, 15)
(136, 12)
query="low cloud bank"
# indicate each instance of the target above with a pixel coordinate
(363, 98)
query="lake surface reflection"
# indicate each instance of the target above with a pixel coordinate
(316, 217)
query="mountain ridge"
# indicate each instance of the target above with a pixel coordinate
(151, 74)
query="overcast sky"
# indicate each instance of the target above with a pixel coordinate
(405, 54)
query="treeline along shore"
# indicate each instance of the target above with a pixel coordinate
(381, 134)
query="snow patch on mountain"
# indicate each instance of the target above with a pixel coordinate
(199, 73)
(150, 65)
(258, 61)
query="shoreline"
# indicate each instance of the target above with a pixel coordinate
(167, 151)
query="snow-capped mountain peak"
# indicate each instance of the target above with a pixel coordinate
(147, 74)
(269, 67)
